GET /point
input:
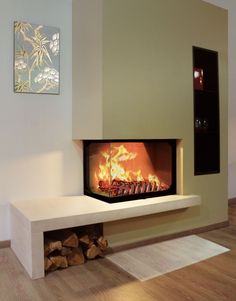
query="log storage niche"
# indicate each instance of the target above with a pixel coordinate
(68, 247)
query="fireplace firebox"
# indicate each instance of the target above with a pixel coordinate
(122, 170)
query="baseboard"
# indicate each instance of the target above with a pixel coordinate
(5, 244)
(232, 201)
(169, 236)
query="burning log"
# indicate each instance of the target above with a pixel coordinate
(149, 187)
(126, 190)
(119, 188)
(164, 186)
(154, 187)
(143, 187)
(137, 188)
(132, 188)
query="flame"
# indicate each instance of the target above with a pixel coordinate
(123, 154)
(154, 179)
(138, 175)
(113, 168)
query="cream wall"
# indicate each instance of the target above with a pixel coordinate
(87, 66)
(147, 63)
(37, 155)
(231, 6)
(147, 93)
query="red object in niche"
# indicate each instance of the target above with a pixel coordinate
(198, 78)
(129, 169)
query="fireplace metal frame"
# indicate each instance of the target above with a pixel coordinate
(116, 199)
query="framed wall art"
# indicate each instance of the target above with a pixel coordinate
(36, 58)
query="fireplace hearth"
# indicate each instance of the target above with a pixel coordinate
(122, 170)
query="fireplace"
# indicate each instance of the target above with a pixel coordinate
(122, 170)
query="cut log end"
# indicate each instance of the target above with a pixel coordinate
(65, 251)
(76, 257)
(58, 261)
(85, 240)
(71, 240)
(47, 264)
(102, 243)
(93, 251)
(51, 246)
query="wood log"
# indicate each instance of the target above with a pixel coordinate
(70, 239)
(67, 237)
(47, 264)
(76, 257)
(102, 243)
(65, 251)
(85, 240)
(73, 248)
(93, 251)
(58, 262)
(50, 246)
(91, 231)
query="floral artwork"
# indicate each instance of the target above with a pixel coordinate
(36, 65)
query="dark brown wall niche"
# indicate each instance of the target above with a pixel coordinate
(206, 111)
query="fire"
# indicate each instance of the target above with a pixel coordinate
(104, 169)
(154, 179)
(123, 154)
(115, 178)
(138, 175)
(112, 168)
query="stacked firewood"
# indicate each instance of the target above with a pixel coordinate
(66, 248)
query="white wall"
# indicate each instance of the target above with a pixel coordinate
(37, 155)
(231, 6)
